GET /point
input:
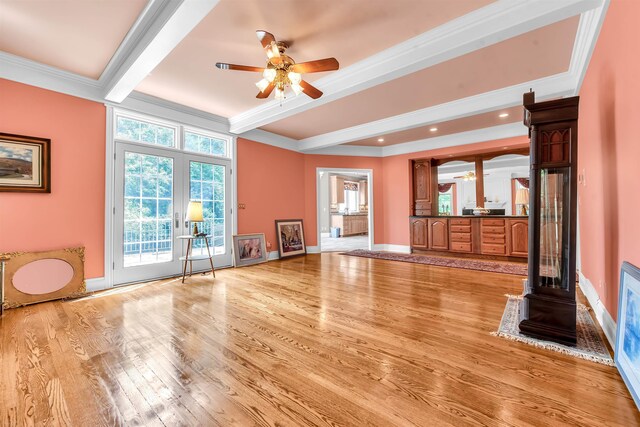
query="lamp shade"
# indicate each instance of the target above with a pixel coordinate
(194, 212)
(522, 196)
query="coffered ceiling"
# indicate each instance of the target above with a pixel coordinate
(407, 67)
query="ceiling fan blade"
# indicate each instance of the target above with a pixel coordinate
(327, 64)
(265, 38)
(266, 92)
(236, 67)
(310, 90)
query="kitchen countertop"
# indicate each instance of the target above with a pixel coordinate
(349, 214)
(470, 216)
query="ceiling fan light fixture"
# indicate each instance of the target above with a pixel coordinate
(269, 74)
(297, 89)
(262, 84)
(294, 78)
(279, 94)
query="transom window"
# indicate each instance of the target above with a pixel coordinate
(140, 129)
(134, 129)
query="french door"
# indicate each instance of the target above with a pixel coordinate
(153, 186)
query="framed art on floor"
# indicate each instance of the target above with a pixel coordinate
(25, 164)
(627, 351)
(290, 235)
(249, 249)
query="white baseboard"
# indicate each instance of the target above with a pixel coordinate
(97, 284)
(403, 249)
(313, 249)
(274, 255)
(602, 315)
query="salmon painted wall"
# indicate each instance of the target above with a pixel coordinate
(396, 179)
(271, 186)
(73, 214)
(608, 154)
(314, 161)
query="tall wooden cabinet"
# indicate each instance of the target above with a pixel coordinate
(548, 308)
(423, 182)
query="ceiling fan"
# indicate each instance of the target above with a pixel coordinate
(469, 176)
(282, 71)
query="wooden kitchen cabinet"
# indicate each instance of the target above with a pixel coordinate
(418, 232)
(438, 231)
(518, 231)
(351, 225)
(336, 185)
(364, 195)
(422, 186)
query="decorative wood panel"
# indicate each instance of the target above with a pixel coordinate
(519, 237)
(438, 234)
(419, 233)
(555, 145)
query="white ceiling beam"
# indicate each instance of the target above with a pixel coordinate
(169, 23)
(554, 86)
(463, 138)
(491, 24)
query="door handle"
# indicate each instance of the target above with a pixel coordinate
(177, 217)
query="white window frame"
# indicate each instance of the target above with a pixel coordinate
(207, 134)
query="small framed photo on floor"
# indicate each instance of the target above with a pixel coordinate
(627, 352)
(25, 164)
(290, 234)
(249, 249)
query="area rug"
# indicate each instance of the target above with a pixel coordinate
(590, 345)
(469, 264)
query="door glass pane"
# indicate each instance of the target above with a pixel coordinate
(148, 206)
(207, 184)
(554, 185)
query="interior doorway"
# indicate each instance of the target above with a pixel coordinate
(345, 209)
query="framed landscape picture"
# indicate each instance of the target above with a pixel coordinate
(627, 352)
(25, 164)
(249, 249)
(290, 234)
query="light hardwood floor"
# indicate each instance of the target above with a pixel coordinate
(316, 340)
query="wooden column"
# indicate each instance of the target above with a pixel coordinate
(479, 182)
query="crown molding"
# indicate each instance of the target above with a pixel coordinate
(491, 24)
(586, 39)
(175, 20)
(554, 86)
(273, 139)
(147, 104)
(33, 73)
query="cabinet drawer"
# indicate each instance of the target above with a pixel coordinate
(461, 228)
(423, 212)
(461, 247)
(492, 230)
(491, 221)
(460, 237)
(493, 238)
(423, 205)
(460, 221)
(494, 249)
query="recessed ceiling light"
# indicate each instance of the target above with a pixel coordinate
(503, 115)
(380, 139)
(433, 129)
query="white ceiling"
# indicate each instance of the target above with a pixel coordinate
(407, 66)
